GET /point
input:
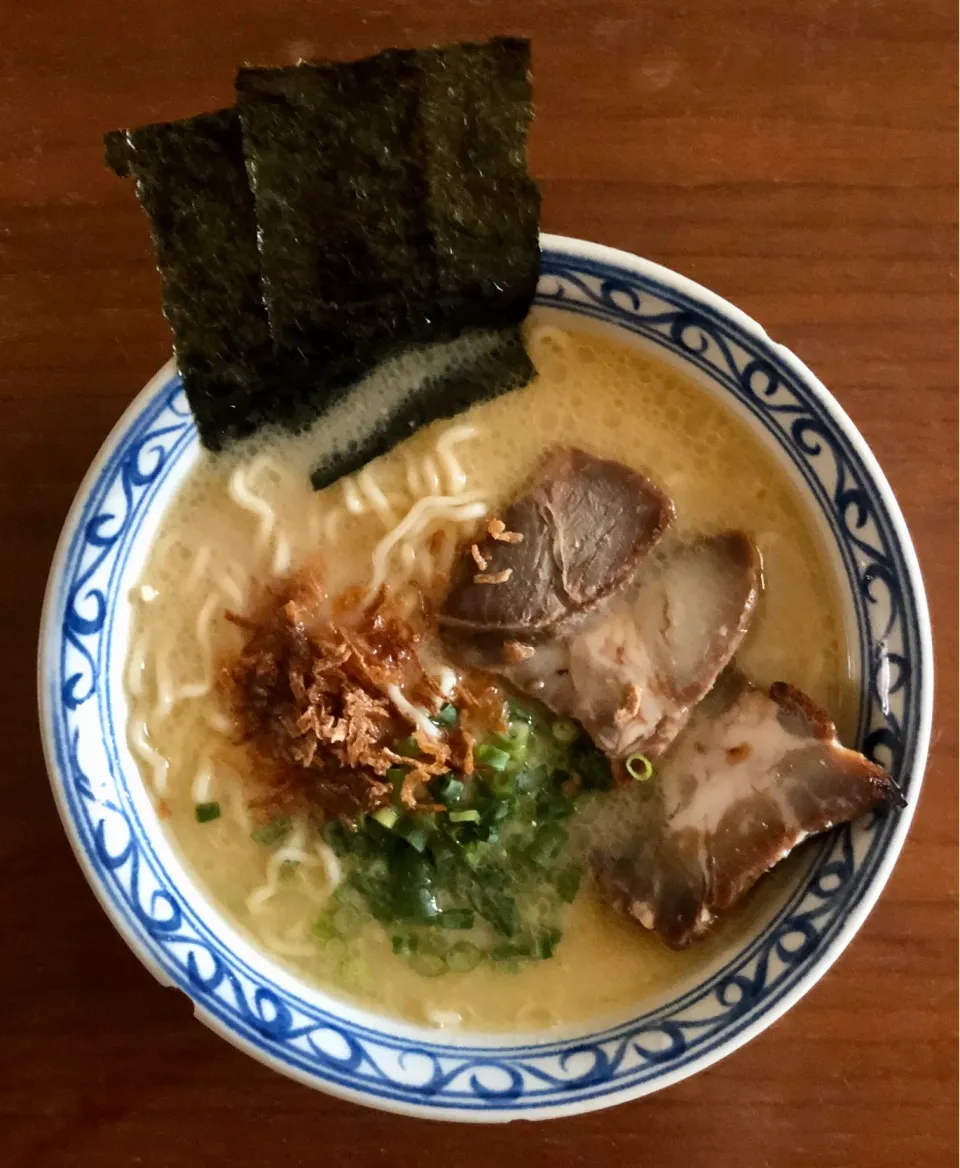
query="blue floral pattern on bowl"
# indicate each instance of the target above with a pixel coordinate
(394, 1066)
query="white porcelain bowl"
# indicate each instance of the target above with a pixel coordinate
(311, 1036)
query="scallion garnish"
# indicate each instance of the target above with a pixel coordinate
(427, 964)
(639, 767)
(456, 918)
(272, 832)
(519, 712)
(548, 843)
(492, 757)
(446, 715)
(463, 957)
(207, 812)
(515, 741)
(547, 942)
(565, 730)
(415, 829)
(491, 854)
(568, 884)
(407, 747)
(450, 791)
(386, 817)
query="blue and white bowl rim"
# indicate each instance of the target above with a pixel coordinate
(496, 1078)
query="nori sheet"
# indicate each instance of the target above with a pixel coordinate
(341, 214)
(392, 198)
(500, 363)
(484, 214)
(192, 182)
(333, 155)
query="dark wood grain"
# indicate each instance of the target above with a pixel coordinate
(797, 158)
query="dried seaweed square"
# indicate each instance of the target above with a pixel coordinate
(192, 183)
(484, 213)
(392, 198)
(335, 161)
(439, 380)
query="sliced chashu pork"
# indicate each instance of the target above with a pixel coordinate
(752, 775)
(582, 624)
(632, 674)
(574, 539)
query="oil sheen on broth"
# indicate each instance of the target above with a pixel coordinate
(239, 521)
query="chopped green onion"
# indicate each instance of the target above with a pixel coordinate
(465, 816)
(354, 973)
(491, 833)
(503, 785)
(516, 739)
(420, 904)
(639, 767)
(407, 747)
(427, 964)
(323, 927)
(568, 884)
(386, 817)
(499, 910)
(350, 839)
(456, 918)
(492, 757)
(446, 857)
(565, 730)
(491, 858)
(413, 897)
(547, 943)
(346, 894)
(447, 715)
(500, 810)
(518, 712)
(531, 779)
(334, 834)
(346, 919)
(549, 843)
(552, 805)
(272, 832)
(416, 830)
(510, 952)
(475, 853)
(463, 957)
(207, 812)
(287, 869)
(450, 791)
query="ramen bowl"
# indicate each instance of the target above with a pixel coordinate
(302, 1031)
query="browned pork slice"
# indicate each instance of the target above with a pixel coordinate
(575, 538)
(633, 671)
(633, 674)
(752, 775)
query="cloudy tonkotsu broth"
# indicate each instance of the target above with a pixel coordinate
(244, 518)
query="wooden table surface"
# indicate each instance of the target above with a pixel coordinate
(798, 158)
